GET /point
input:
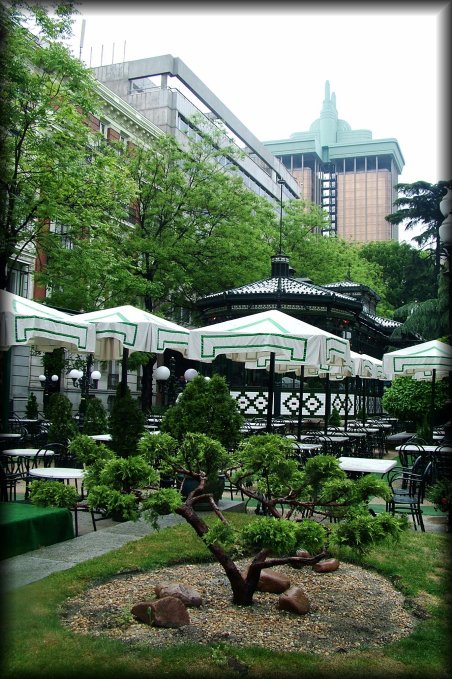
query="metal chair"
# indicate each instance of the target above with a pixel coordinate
(409, 500)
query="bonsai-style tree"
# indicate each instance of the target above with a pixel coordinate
(264, 468)
(126, 423)
(206, 407)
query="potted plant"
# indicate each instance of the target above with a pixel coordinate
(440, 493)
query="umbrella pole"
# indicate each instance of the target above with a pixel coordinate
(271, 382)
(125, 361)
(300, 404)
(327, 401)
(432, 406)
(364, 392)
(346, 403)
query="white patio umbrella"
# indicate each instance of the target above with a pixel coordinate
(427, 361)
(27, 323)
(125, 329)
(268, 338)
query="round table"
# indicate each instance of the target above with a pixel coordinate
(58, 473)
(102, 438)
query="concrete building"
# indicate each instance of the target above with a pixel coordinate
(167, 93)
(346, 171)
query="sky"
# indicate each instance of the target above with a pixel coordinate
(386, 63)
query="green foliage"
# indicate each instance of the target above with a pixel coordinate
(410, 399)
(408, 273)
(163, 501)
(87, 451)
(200, 453)
(440, 494)
(206, 407)
(95, 420)
(157, 449)
(267, 459)
(318, 470)
(126, 423)
(127, 474)
(62, 427)
(362, 531)
(282, 538)
(31, 409)
(220, 533)
(44, 493)
(54, 168)
(334, 419)
(124, 506)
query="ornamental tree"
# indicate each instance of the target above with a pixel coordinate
(293, 497)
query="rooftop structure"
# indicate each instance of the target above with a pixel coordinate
(346, 171)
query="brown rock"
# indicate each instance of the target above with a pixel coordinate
(271, 582)
(326, 566)
(188, 595)
(141, 611)
(295, 601)
(169, 612)
(304, 554)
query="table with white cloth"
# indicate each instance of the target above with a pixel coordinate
(67, 474)
(101, 438)
(365, 465)
(26, 454)
(415, 447)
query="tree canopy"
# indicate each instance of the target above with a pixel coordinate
(55, 170)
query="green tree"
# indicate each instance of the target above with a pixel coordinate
(195, 221)
(264, 468)
(55, 170)
(408, 273)
(418, 204)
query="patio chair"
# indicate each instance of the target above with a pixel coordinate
(409, 500)
(442, 462)
(8, 481)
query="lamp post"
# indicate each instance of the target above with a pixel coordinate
(166, 378)
(84, 380)
(281, 182)
(49, 384)
(445, 237)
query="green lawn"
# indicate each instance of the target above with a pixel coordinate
(36, 645)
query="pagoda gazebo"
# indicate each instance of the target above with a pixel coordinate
(346, 309)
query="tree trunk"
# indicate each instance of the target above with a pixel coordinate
(242, 591)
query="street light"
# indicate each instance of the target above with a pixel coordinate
(190, 374)
(281, 182)
(445, 237)
(166, 379)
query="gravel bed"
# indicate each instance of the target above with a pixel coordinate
(351, 609)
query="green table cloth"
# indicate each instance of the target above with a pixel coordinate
(24, 527)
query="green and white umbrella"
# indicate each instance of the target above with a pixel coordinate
(428, 360)
(27, 323)
(268, 338)
(133, 329)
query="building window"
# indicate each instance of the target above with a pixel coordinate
(19, 279)
(113, 380)
(62, 231)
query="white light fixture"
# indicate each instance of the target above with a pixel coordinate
(190, 374)
(162, 373)
(43, 379)
(95, 375)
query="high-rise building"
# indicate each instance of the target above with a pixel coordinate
(346, 171)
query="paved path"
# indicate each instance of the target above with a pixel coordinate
(26, 568)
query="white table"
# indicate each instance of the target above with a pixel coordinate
(27, 454)
(103, 438)
(58, 473)
(414, 448)
(6, 436)
(365, 465)
(307, 446)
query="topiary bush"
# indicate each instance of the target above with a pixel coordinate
(95, 420)
(126, 423)
(62, 427)
(31, 409)
(205, 407)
